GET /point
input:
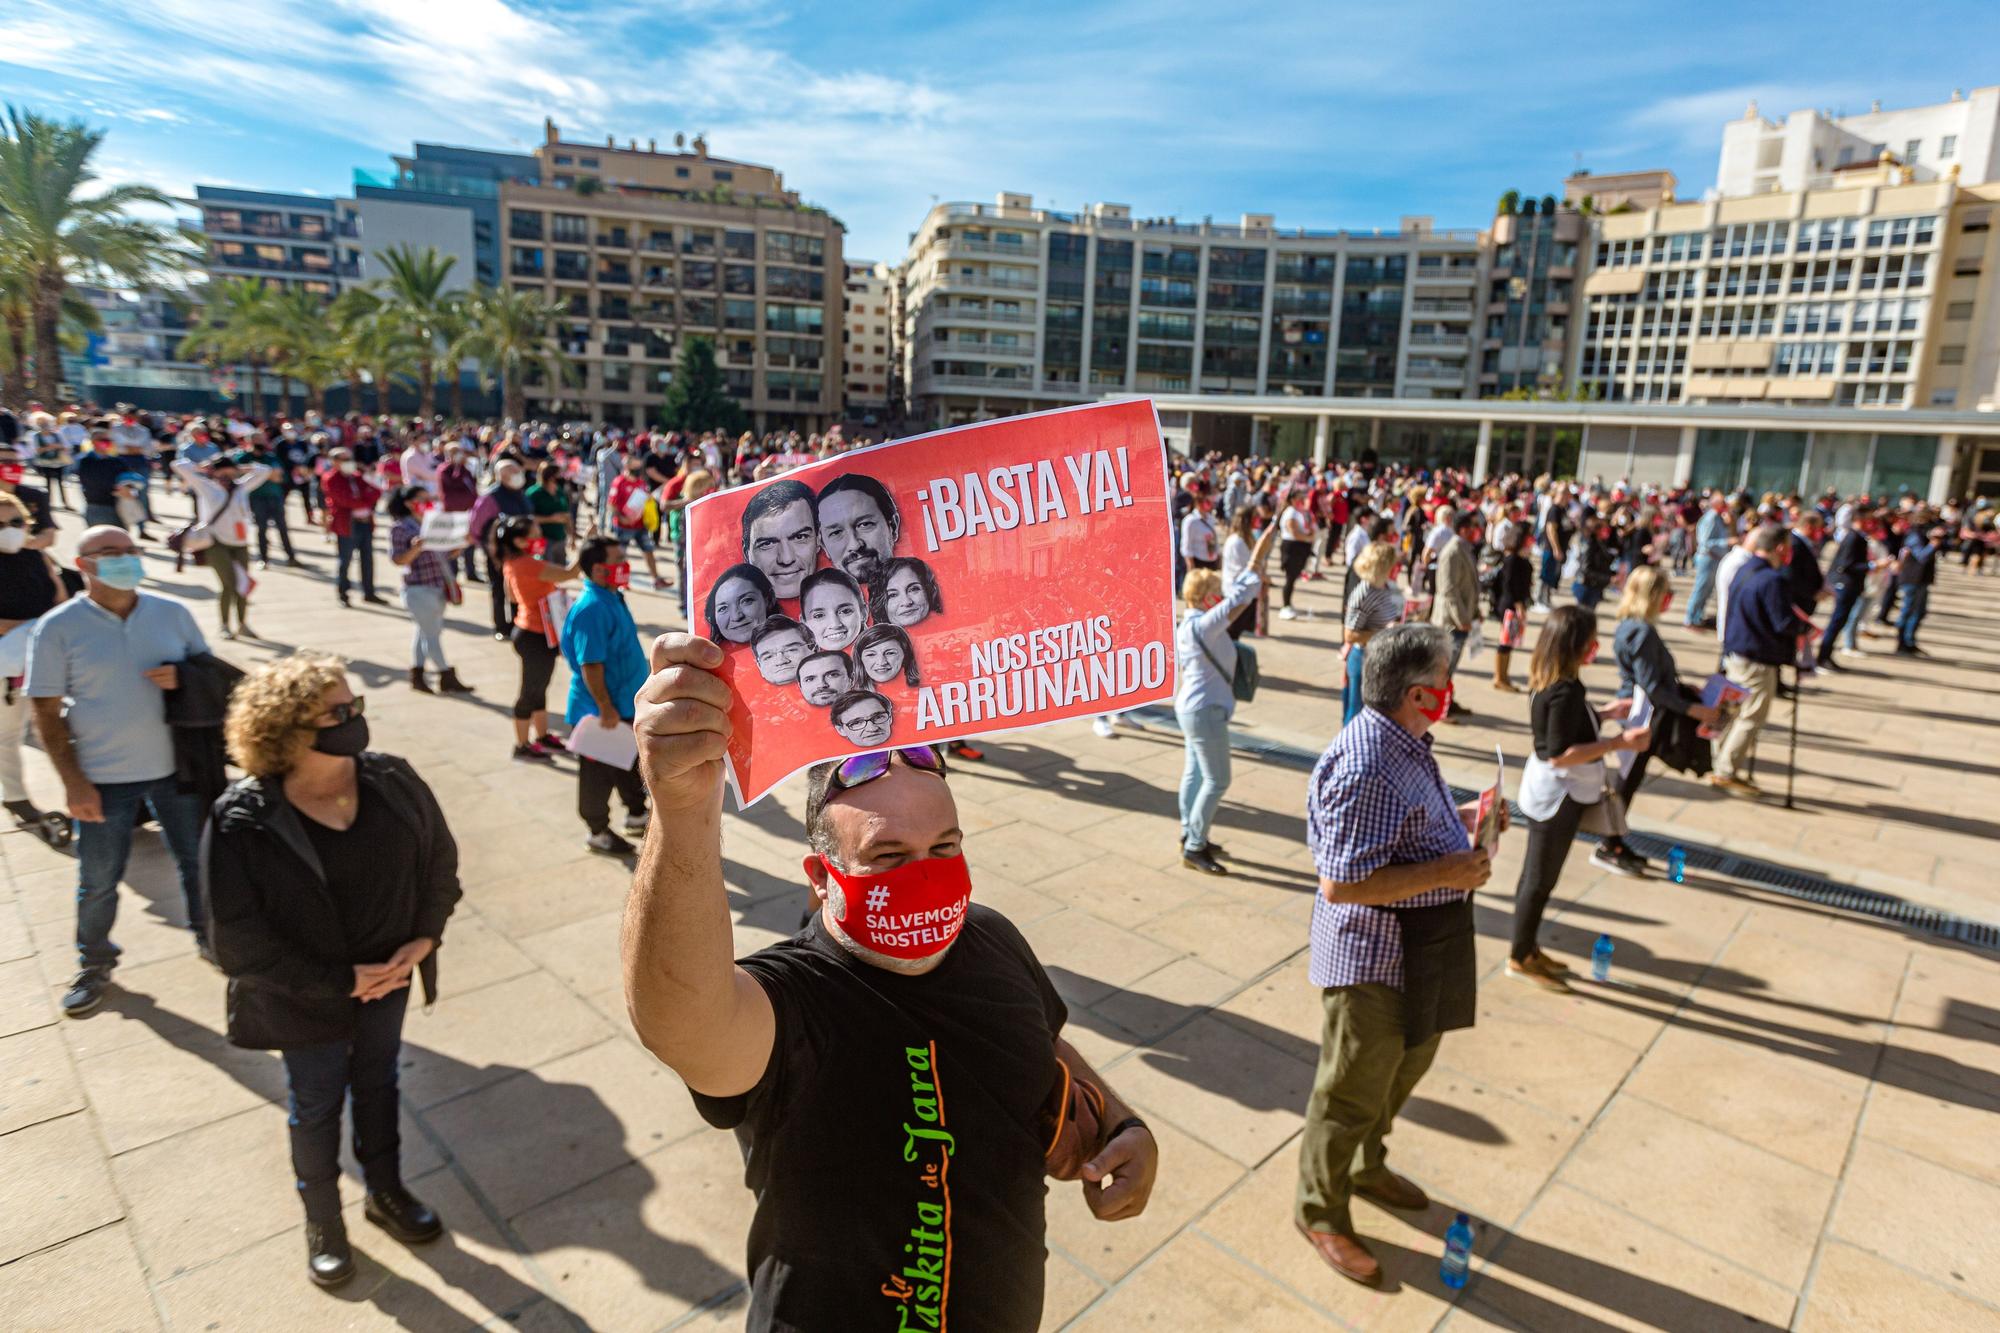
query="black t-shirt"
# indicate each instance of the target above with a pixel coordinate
(26, 589)
(892, 1142)
(98, 475)
(371, 869)
(1561, 717)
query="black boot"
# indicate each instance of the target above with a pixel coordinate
(449, 683)
(329, 1259)
(418, 683)
(402, 1215)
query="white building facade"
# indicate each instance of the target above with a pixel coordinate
(1011, 308)
(1809, 149)
(868, 343)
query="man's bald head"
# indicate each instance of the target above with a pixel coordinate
(105, 539)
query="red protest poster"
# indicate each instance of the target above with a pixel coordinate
(970, 581)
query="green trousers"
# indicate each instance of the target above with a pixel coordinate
(1365, 1075)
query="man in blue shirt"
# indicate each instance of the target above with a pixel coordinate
(1760, 635)
(1916, 570)
(1713, 537)
(600, 641)
(112, 654)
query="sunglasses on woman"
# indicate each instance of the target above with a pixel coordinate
(13, 522)
(348, 711)
(861, 769)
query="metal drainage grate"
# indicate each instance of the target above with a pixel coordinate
(1782, 880)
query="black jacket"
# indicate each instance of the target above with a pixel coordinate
(1850, 560)
(274, 924)
(196, 708)
(1803, 575)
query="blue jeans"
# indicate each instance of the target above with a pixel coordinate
(1206, 776)
(1916, 601)
(1704, 588)
(1846, 601)
(426, 607)
(1587, 595)
(94, 515)
(1350, 697)
(101, 851)
(359, 546)
(362, 1069)
(1862, 605)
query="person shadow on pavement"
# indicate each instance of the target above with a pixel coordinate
(575, 1136)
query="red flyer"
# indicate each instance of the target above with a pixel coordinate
(971, 581)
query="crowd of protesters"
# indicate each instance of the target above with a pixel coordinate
(288, 889)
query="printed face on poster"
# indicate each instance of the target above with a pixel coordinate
(971, 581)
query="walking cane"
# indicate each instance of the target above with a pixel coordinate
(1792, 747)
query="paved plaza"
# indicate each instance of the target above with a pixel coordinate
(1776, 1115)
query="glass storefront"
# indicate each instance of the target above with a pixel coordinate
(1777, 457)
(1839, 463)
(1903, 464)
(1718, 458)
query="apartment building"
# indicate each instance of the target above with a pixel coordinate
(289, 240)
(1811, 149)
(868, 337)
(1010, 308)
(646, 247)
(1530, 283)
(444, 177)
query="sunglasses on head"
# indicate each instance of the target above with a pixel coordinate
(860, 769)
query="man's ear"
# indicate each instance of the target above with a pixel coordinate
(815, 867)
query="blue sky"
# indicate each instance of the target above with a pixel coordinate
(1326, 115)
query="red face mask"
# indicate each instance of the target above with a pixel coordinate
(537, 545)
(618, 576)
(911, 912)
(1443, 706)
(12, 472)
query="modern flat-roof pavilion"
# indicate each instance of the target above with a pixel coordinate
(1932, 453)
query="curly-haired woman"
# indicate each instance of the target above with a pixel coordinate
(330, 875)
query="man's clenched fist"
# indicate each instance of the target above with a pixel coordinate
(683, 723)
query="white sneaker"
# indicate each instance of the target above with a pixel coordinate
(1102, 726)
(1286, 613)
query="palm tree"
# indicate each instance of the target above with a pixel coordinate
(50, 233)
(17, 344)
(414, 287)
(512, 333)
(384, 343)
(350, 314)
(307, 343)
(237, 325)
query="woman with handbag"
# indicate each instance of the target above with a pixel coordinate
(329, 874)
(1677, 712)
(1563, 785)
(1214, 671)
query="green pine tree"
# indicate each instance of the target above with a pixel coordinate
(695, 399)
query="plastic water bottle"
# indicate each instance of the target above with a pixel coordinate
(1677, 865)
(1600, 959)
(1457, 1253)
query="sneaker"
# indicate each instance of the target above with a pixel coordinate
(1204, 861)
(608, 843)
(550, 745)
(1628, 865)
(1286, 613)
(1102, 726)
(373, 600)
(635, 822)
(86, 992)
(1749, 791)
(1555, 967)
(529, 754)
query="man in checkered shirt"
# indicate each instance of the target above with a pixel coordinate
(1391, 935)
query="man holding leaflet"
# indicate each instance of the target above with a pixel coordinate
(600, 641)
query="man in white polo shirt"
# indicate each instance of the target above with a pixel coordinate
(113, 655)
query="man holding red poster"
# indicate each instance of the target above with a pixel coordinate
(976, 580)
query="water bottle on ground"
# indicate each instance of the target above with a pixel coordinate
(1677, 865)
(1457, 1253)
(1600, 959)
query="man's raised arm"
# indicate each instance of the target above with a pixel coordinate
(689, 1002)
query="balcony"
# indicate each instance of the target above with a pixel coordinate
(520, 230)
(1448, 273)
(1306, 275)
(970, 245)
(980, 347)
(1439, 343)
(1422, 371)
(1448, 309)
(615, 275)
(617, 239)
(927, 381)
(1302, 303)
(985, 282)
(961, 314)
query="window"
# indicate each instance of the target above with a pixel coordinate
(1951, 356)
(1947, 147)
(565, 160)
(1910, 151)
(571, 229)
(586, 161)
(725, 175)
(739, 314)
(1958, 310)
(681, 172)
(739, 244)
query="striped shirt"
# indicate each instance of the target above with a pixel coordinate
(1373, 608)
(429, 569)
(1376, 799)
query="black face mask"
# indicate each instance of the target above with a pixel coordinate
(342, 738)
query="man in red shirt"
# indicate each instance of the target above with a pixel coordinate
(350, 517)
